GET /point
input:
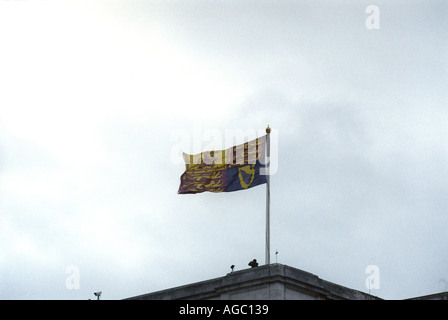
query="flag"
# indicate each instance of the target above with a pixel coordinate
(236, 168)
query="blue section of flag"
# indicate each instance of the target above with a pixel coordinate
(244, 177)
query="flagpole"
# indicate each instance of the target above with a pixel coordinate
(268, 200)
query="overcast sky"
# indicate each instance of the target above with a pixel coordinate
(98, 99)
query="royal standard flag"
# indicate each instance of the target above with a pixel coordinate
(236, 168)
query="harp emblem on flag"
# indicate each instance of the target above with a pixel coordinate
(246, 175)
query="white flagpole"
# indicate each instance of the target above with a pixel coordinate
(268, 200)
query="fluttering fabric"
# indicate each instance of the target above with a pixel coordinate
(237, 168)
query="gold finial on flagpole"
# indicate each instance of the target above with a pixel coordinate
(268, 130)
